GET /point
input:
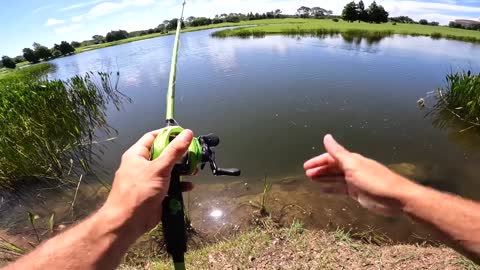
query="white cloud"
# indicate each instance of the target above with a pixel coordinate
(80, 5)
(52, 21)
(42, 8)
(68, 28)
(106, 8)
(77, 18)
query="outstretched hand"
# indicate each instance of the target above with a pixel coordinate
(373, 185)
(140, 184)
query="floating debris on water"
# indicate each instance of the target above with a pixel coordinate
(421, 103)
(293, 123)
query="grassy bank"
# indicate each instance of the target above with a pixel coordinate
(294, 247)
(32, 71)
(314, 27)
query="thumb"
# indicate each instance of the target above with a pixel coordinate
(174, 151)
(338, 152)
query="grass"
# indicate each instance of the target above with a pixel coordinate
(313, 26)
(47, 127)
(295, 247)
(461, 97)
(30, 72)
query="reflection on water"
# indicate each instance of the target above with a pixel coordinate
(271, 100)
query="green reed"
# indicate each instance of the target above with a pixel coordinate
(47, 127)
(461, 96)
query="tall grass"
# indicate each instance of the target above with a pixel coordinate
(47, 127)
(30, 72)
(461, 96)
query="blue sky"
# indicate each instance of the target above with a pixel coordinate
(49, 22)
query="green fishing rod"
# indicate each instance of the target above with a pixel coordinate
(200, 152)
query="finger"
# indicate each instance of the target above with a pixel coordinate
(143, 145)
(338, 152)
(174, 151)
(186, 186)
(330, 179)
(323, 171)
(321, 160)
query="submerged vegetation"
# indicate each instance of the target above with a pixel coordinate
(47, 127)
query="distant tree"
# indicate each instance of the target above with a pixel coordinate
(204, 21)
(19, 59)
(30, 55)
(64, 48)
(303, 12)
(423, 22)
(278, 13)
(41, 51)
(172, 24)
(116, 35)
(362, 13)
(402, 19)
(161, 28)
(75, 44)
(350, 12)
(56, 52)
(8, 62)
(189, 20)
(98, 39)
(376, 13)
(319, 12)
(434, 23)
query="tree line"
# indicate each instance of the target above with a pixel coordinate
(357, 12)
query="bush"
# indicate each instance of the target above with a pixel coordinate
(436, 35)
(8, 62)
(423, 22)
(335, 20)
(394, 23)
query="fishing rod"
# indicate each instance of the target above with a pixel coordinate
(200, 151)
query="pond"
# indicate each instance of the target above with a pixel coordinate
(271, 100)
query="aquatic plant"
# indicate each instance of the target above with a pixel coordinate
(47, 127)
(263, 204)
(461, 97)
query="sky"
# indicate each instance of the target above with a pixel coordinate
(47, 22)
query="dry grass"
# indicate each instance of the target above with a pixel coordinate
(272, 247)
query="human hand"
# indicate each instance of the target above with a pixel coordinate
(373, 185)
(140, 185)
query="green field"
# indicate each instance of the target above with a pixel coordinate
(311, 26)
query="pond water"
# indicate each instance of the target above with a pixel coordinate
(271, 100)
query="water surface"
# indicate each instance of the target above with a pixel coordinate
(271, 101)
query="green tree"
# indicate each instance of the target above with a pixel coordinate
(19, 59)
(41, 51)
(98, 39)
(30, 55)
(172, 25)
(116, 35)
(65, 48)
(376, 13)
(362, 13)
(75, 44)
(304, 12)
(56, 52)
(423, 22)
(319, 12)
(8, 62)
(278, 13)
(350, 12)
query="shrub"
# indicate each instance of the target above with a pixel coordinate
(335, 20)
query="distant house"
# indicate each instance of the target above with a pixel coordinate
(467, 23)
